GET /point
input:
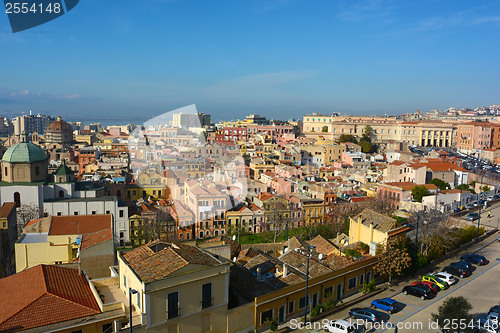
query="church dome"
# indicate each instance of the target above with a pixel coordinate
(24, 152)
(59, 126)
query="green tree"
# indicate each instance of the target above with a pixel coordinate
(441, 184)
(393, 261)
(418, 192)
(366, 141)
(324, 129)
(454, 309)
(347, 138)
(486, 188)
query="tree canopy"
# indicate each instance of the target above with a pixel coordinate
(441, 184)
(366, 141)
(418, 192)
(393, 261)
(453, 309)
(347, 138)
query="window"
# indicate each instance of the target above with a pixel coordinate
(75, 213)
(368, 276)
(17, 199)
(328, 292)
(108, 212)
(124, 281)
(93, 212)
(59, 213)
(302, 302)
(138, 299)
(266, 316)
(120, 212)
(37, 171)
(352, 283)
(107, 328)
(6, 173)
(361, 279)
(206, 295)
(291, 307)
(77, 331)
(173, 305)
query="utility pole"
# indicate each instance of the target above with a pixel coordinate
(309, 247)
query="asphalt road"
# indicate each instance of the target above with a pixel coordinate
(481, 289)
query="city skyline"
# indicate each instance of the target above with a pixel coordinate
(281, 59)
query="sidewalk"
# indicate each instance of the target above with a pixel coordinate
(397, 285)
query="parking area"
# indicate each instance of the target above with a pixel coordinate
(481, 289)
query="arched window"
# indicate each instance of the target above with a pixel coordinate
(17, 199)
(61, 194)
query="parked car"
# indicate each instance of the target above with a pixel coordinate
(457, 271)
(365, 314)
(474, 259)
(343, 326)
(469, 206)
(490, 198)
(440, 283)
(422, 291)
(431, 285)
(464, 264)
(446, 277)
(385, 304)
(495, 309)
(485, 324)
(472, 216)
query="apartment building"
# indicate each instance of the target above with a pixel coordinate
(384, 129)
(85, 240)
(178, 288)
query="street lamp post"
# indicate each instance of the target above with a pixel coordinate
(416, 237)
(130, 293)
(309, 247)
(480, 205)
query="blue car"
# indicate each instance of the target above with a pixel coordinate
(385, 304)
(474, 259)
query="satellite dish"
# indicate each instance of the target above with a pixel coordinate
(286, 249)
(320, 256)
(234, 237)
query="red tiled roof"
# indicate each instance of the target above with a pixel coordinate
(44, 295)
(79, 224)
(150, 265)
(89, 240)
(6, 208)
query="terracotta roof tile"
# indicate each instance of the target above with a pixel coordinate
(89, 240)
(157, 260)
(323, 245)
(79, 224)
(55, 294)
(6, 208)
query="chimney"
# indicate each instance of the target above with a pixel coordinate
(371, 232)
(285, 270)
(259, 277)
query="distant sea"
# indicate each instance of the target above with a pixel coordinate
(108, 120)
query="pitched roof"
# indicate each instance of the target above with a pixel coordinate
(298, 261)
(89, 240)
(323, 245)
(157, 260)
(7, 208)
(55, 294)
(79, 224)
(380, 222)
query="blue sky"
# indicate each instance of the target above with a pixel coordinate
(125, 60)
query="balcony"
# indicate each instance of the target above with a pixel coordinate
(206, 303)
(173, 313)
